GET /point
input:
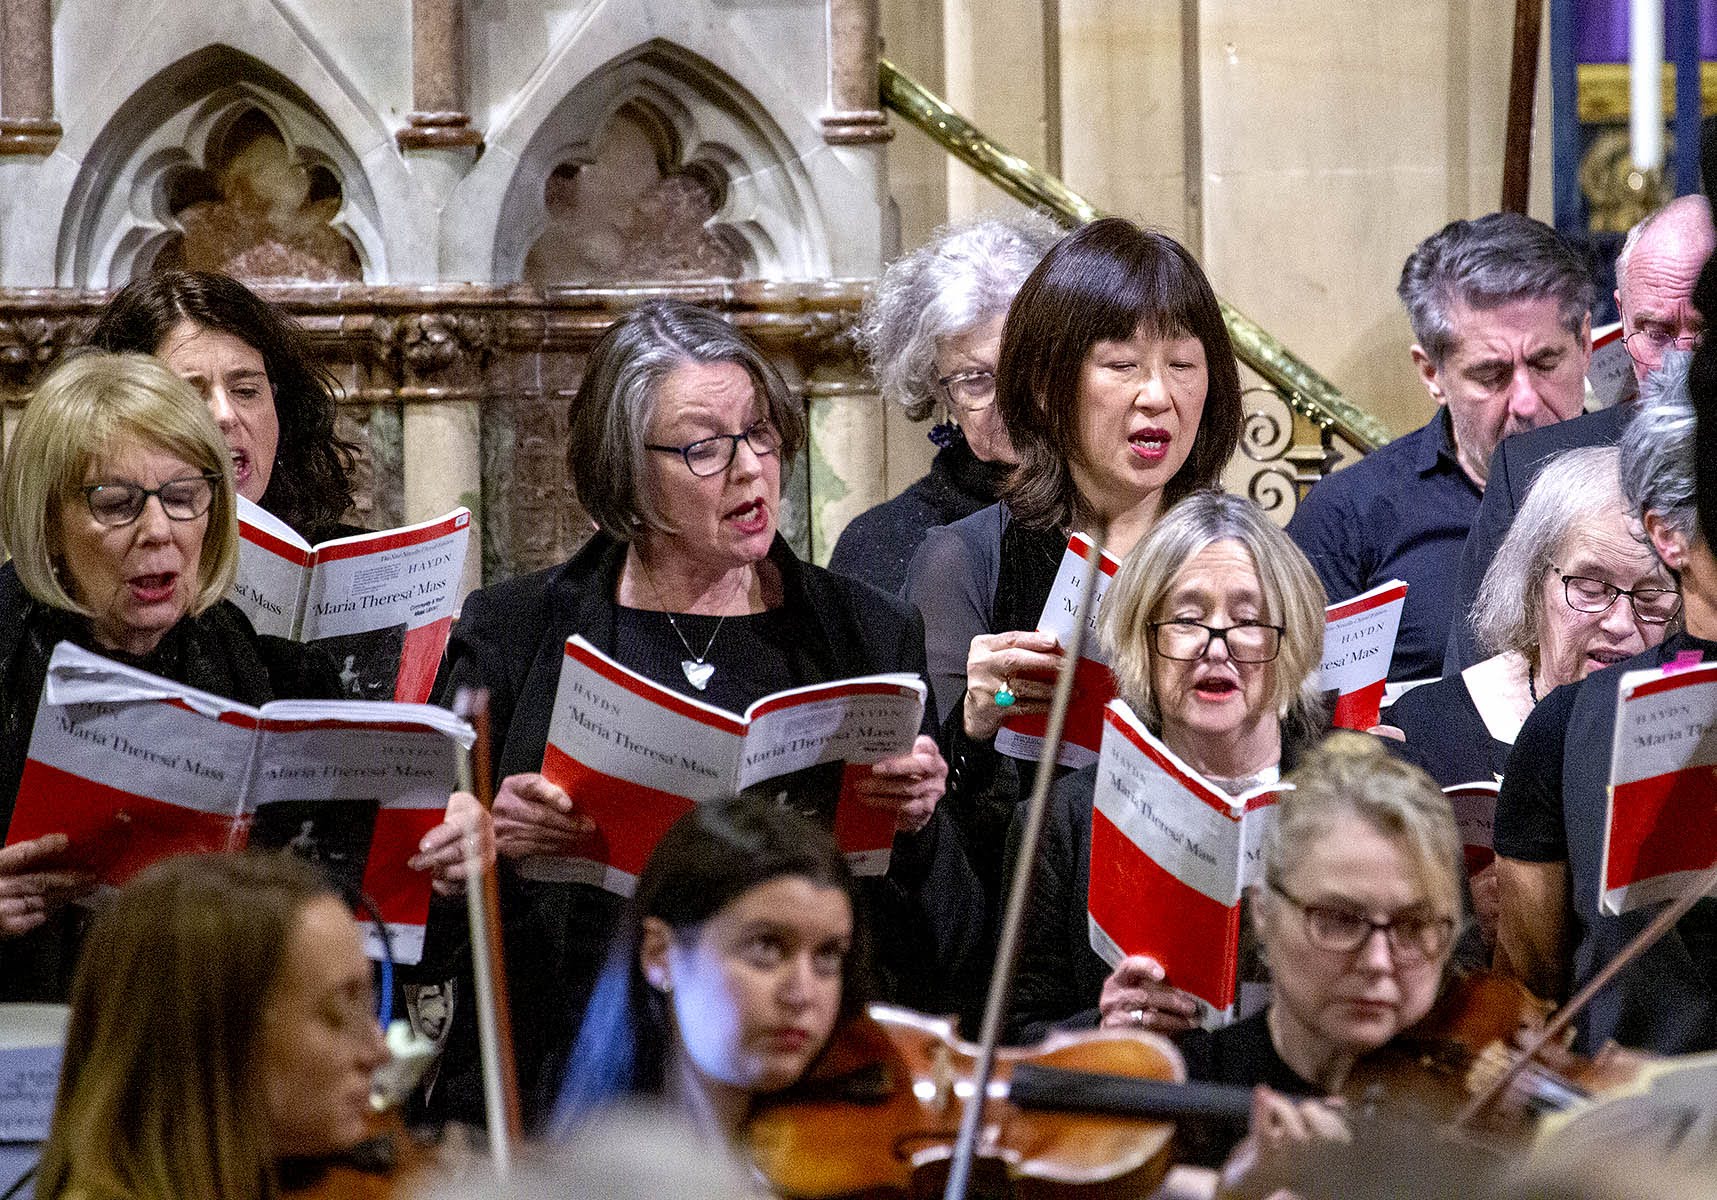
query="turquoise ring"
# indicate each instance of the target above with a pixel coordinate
(1005, 696)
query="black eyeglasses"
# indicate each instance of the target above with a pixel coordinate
(1187, 641)
(1654, 606)
(1412, 937)
(119, 504)
(713, 455)
(1648, 346)
(969, 391)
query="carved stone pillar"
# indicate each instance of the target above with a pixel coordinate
(855, 105)
(848, 461)
(439, 120)
(27, 124)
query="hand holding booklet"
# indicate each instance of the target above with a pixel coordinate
(1171, 858)
(634, 755)
(380, 603)
(133, 768)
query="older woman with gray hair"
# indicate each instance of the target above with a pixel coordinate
(1575, 588)
(932, 334)
(1553, 808)
(677, 438)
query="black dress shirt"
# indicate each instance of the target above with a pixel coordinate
(1401, 512)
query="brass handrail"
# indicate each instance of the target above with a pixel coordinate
(1306, 391)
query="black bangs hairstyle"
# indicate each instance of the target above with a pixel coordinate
(1106, 281)
(707, 859)
(310, 485)
(1702, 386)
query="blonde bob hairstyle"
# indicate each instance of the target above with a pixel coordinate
(1293, 598)
(1352, 775)
(88, 407)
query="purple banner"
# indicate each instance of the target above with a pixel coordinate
(1601, 30)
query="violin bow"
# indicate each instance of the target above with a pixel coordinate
(1019, 892)
(1644, 940)
(501, 1107)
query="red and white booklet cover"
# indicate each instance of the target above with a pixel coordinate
(381, 603)
(1171, 858)
(1359, 641)
(1093, 683)
(635, 755)
(1475, 817)
(134, 768)
(1660, 828)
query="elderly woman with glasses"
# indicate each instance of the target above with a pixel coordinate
(1574, 589)
(678, 435)
(118, 513)
(1553, 808)
(932, 333)
(1214, 625)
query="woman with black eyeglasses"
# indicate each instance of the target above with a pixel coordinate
(678, 438)
(1214, 625)
(118, 513)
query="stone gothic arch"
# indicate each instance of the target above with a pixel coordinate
(248, 160)
(707, 131)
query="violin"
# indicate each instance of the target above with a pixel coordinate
(1089, 1112)
(392, 1161)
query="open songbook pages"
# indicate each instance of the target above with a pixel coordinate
(1475, 816)
(635, 755)
(380, 603)
(1660, 828)
(1359, 641)
(1093, 684)
(133, 768)
(1171, 858)
(32, 1043)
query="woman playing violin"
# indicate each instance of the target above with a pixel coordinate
(734, 963)
(223, 1033)
(1355, 912)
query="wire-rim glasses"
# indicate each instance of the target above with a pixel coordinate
(1189, 641)
(1413, 937)
(119, 504)
(969, 391)
(1648, 346)
(713, 455)
(1654, 606)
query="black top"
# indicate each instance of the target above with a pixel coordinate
(1513, 467)
(1552, 809)
(1446, 736)
(216, 651)
(877, 545)
(1241, 1054)
(927, 914)
(1401, 512)
(752, 655)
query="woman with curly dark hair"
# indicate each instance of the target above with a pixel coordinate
(272, 399)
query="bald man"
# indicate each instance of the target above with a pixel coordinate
(1655, 273)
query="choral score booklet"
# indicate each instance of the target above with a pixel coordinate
(1093, 683)
(134, 768)
(1171, 858)
(1359, 641)
(1660, 826)
(1475, 817)
(635, 755)
(381, 604)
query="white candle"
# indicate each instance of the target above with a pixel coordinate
(1645, 74)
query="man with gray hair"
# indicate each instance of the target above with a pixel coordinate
(1500, 309)
(1655, 274)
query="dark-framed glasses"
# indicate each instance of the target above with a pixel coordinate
(1654, 606)
(183, 499)
(1187, 641)
(1648, 346)
(713, 455)
(969, 391)
(1413, 936)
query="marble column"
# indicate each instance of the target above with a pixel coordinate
(848, 458)
(855, 113)
(439, 120)
(27, 124)
(444, 469)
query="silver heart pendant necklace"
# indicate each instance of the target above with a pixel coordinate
(698, 671)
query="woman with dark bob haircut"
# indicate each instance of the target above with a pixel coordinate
(1118, 386)
(678, 432)
(272, 399)
(736, 958)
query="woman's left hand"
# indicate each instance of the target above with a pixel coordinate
(1282, 1131)
(909, 783)
(442, 850)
